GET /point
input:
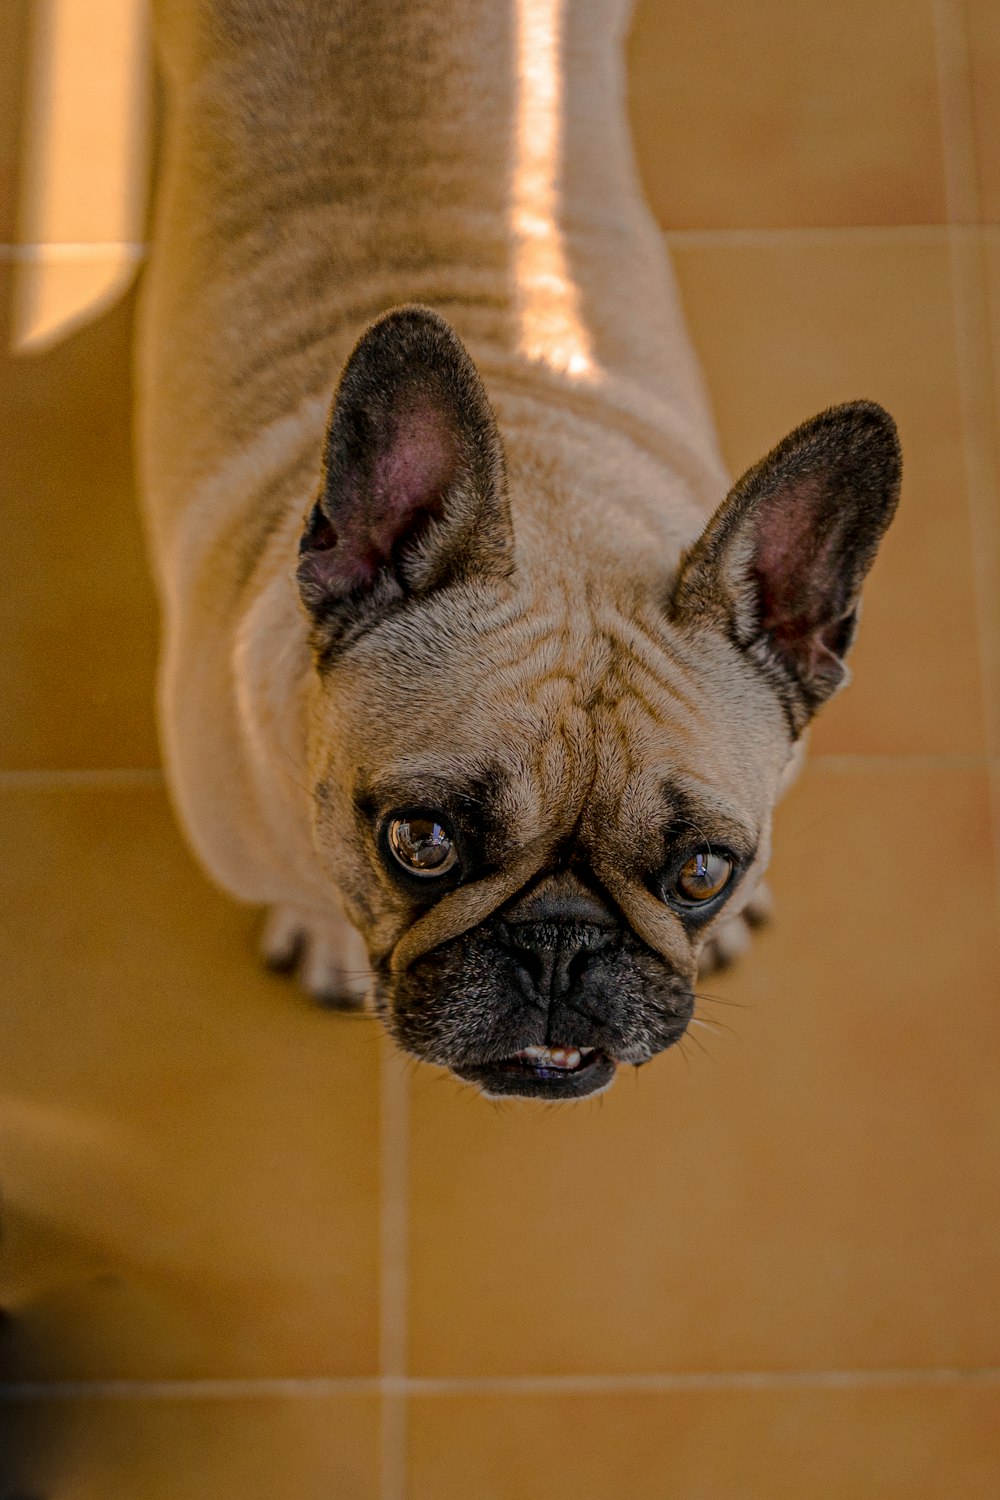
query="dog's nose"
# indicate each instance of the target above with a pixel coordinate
(556, 953)
(554, 929)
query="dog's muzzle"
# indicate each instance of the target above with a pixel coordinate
(544, 999)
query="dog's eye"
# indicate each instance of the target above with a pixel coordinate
(421, 844)
(702, 878)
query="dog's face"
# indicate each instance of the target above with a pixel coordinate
(537, 798)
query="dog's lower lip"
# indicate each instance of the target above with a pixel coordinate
(530, 1077)
(548, 1062)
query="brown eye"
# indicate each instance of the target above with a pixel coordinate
(421, 845)
(702, 878)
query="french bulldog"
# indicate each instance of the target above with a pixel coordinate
(475, 671)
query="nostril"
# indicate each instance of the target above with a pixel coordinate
(579, 963)
(555, 956)
(532, 962)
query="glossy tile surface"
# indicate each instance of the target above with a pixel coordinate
(298, 1448)
(880, 1443)
(14, 68)
(190, 1149)
(982, 38)
(77, 612)
(786, 115)
(787, 328)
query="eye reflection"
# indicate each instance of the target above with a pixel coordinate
(421, 844)
(702, 878)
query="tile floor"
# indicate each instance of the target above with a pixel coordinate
(249, 1253)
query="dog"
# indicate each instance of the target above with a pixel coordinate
(476, 671)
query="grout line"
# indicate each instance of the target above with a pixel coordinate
(976, 372)
(961, 188)
(262, 1388)
(680, 239)
(394, 1270)
(957, 760)
(72, 250)
(318, 1388)
(105, 776)
(702, 1380)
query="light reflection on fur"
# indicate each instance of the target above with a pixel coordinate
(552, 330)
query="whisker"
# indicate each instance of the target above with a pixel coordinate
(717, 999)
(700, 1045)
(716, 1026)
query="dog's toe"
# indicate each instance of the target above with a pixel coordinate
(759, 910)
(734, 935)
(282, 940)
(324, 949)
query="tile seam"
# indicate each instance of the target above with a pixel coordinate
(679, 239)
(293, 1388)
(100, 776)
(70, 251)
(973, 760)
(955, 114)
(969, 297)
(394, 1146)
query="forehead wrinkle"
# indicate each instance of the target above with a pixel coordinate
(644, 645)
(704, 798)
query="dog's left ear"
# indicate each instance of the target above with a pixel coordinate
(780, 566)
(414, 491)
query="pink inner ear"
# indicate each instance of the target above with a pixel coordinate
(410, 476)
(402, 490)
(794, 562)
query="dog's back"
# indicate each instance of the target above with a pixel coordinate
(326, 161)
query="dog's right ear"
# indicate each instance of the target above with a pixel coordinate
(414, 493)
(779, 567)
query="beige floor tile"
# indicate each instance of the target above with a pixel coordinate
(77, 613)
(785, 328)
(190, 1168)
(782, 114)
(13, 79)
(302, 1448)
(982, 26)
(875, 1444)
(819, 1191)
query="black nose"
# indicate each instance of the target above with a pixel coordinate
(557, 953)
(554, 930)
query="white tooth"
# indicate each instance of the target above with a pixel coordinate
(566, 1058)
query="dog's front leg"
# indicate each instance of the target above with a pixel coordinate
(324, 949)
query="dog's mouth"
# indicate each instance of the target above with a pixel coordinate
(545, 1062)
(560, 1072)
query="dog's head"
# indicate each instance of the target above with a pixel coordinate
(538, 784)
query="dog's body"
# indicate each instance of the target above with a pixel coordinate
(487, 612)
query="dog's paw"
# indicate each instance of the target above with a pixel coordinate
(733, 936)
(326, 952)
